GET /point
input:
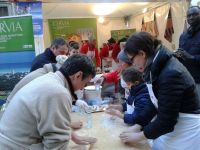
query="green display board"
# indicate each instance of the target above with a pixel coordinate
(118, 34)
(16, 34)
(73, 29)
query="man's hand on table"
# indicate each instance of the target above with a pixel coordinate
(82, 140)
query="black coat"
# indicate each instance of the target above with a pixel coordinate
(144, 110)
(42, 59)
(191, 44)
(175, 90)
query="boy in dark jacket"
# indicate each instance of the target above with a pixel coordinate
(138, 107)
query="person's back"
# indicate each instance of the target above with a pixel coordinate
(29, 77)
(173, 72)
(42, 59)
(58, 47)
(52, 67)
(32, 123)
(40, 111)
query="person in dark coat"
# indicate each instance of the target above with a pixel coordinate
(189, 45)
(177, 125)
(138, 108)
(58, 47)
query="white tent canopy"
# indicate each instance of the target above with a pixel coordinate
(85, 10)
(115, 19)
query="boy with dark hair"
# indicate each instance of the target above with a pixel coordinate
(139, 108)
(73, 48)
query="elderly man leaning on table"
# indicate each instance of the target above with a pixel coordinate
(39, 113)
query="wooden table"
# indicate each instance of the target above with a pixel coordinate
(106, 130)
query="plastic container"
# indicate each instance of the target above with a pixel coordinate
(92, 92)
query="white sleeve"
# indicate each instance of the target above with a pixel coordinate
(81, 103)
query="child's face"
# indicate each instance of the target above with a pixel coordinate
(73, 51)
(130, 84)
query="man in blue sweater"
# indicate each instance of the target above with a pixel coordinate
(58, 47)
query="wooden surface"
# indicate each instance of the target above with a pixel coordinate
(107, 130)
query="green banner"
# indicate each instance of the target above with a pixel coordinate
(118, 34)
(76, 29)
(16, 34)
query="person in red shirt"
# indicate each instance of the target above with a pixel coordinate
(114, 76)
(106, 53)
(84, 47)
(116, 49)
(89, 48)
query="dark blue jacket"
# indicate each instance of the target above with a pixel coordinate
(175, 90)
(191, 44)
(42, 59)
(144, 110)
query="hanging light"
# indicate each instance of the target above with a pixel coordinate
(144, 10)
(101, 19)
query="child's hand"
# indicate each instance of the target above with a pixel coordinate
(114, 112)
(117, 107)
(111, 111)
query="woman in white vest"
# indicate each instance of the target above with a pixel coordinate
(177, 125)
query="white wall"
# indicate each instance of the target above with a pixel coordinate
(103, 30)
(178, 16)
(47, 39)
(39, 44)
